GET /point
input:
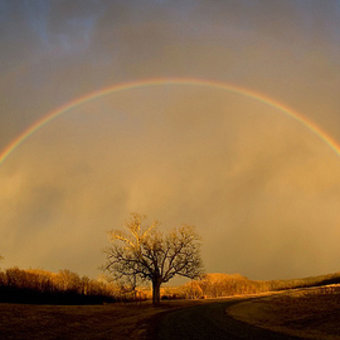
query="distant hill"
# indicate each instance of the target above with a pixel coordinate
(217, 284)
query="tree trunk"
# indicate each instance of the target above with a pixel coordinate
(156, 291)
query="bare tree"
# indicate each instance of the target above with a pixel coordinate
(145, 253)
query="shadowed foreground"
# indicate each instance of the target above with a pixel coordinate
(170, 320)
(109, 321)
(208, 321)
(112, 321)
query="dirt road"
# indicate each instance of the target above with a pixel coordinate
(207, 321)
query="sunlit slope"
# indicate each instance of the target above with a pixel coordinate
(217, 284)
(308, 312)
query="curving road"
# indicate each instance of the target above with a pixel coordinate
(208, 321)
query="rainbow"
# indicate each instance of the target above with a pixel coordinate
(165, 81)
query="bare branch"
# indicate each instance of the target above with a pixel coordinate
(144, 253)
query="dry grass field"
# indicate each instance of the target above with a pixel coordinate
(310, 313)
(110, 321)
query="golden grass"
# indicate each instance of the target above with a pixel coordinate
(310, 313)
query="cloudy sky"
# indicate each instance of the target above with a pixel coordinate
(262, 189)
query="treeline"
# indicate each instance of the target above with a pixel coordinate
(64, 287)
(219, 285)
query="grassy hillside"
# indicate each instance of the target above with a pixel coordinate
(308, 312)
(218, 285)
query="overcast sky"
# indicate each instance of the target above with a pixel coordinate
(261, 188)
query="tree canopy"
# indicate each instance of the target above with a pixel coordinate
(143, 252)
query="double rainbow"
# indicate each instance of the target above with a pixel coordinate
(159, 82)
